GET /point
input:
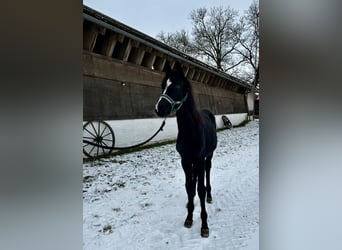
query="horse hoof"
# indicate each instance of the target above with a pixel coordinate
(205, 232)
(209, 200)
(188, 223)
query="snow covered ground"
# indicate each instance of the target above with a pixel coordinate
(138, 200)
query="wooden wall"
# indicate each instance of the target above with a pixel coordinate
(123, 70)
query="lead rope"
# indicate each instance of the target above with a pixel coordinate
(128, 147)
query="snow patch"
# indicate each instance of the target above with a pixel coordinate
(138, 200)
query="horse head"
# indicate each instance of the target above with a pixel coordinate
(175, 90)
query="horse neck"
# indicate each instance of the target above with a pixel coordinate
(186, 120)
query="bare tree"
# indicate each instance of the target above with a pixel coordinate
(215, 36)
(221, 39)
(178, 40)
(249, 41)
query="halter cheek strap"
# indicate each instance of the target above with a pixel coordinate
(174, 103)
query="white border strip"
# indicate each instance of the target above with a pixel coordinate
(133, 131)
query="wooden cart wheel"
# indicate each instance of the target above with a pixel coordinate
(226, 122)
(98, 132)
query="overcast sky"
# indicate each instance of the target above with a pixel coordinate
(153, 16)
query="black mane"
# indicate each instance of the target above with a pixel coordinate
(192, 104)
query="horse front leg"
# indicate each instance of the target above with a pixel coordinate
(200, 169)
(190, 187)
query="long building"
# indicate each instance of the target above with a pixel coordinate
(123, 70)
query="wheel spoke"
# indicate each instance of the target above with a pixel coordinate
(94, 129)
(91, 150)
(89, 132)
(105, 143)
(98, 128)
(103, 131)
(87, 137)
(102, 148)
(107, 134)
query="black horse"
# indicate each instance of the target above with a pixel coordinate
(196, 140)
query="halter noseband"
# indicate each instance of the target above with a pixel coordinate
(174, 103)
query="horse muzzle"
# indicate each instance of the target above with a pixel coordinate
(163, 108)
(161, 112)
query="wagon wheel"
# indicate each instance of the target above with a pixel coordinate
(226, 122)
(100, 133)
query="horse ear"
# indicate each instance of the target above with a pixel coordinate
(167, 68)
(178, 68)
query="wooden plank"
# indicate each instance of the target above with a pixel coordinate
(109, 45)
(89, 37)
(127, 51)
(140, 56)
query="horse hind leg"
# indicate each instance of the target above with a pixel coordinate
(207, 175)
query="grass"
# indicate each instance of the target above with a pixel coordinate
(242, 124)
